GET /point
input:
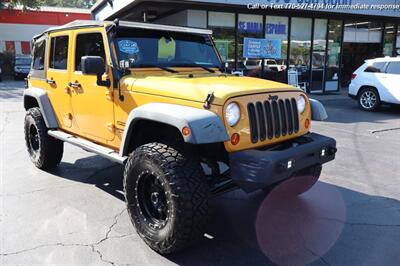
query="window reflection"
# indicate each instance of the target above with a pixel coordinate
(300, 48)
(333, 59)
(223, 26)
(318, 57)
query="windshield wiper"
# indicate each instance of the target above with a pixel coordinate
(160, 67)
(195, 65)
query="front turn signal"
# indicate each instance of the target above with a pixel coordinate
(235, 139)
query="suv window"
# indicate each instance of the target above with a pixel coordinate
(393, 68)
(88, 44)
(38, 55)
(378, 67)
(59, 52)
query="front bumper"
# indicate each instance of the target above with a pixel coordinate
(255, 169)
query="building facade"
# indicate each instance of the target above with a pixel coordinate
(321, 42)
(17, 27)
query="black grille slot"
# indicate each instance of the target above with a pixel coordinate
(273, 119)
(290, 116)
(296, 116)
(275, 115)
(261, 120)
(270, 122)
(253, 122)
(283, 117)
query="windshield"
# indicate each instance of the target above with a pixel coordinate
(23, 61)
(151, 48)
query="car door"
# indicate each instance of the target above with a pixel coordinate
(57, 77)
(390, 91)
(92, 105)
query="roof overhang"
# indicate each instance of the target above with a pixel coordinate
(110, 9)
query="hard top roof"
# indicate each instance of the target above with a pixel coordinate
(126, 24)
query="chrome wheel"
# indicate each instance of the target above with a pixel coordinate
(368, 99)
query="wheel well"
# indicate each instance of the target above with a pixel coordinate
(367, 87)
(30, 102)
(146, 131)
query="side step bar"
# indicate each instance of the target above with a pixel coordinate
(88, 146)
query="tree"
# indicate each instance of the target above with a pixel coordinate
(33, 4)
(26, 4)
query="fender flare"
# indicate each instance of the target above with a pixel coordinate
(44, 104)
(205, 126)
(318, 111)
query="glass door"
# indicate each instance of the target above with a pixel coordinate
(300, 49)
(318, 55)
(333, 55)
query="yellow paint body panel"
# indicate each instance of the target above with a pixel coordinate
(96, 113)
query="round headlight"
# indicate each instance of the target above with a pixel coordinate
(232, 114)
(301, 104)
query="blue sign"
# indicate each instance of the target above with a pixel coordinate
(250, 27)
(277, 29)
(261, 48)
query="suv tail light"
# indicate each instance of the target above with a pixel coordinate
(353, 76)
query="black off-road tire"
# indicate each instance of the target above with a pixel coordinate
(299, 183)
(177, 171)
(375, 100)
(45, 151)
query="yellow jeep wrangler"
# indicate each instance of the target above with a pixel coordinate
(155, 98)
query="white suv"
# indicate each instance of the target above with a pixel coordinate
(376, 82)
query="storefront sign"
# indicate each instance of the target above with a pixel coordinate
(275, 29)
(250, 27)
(261, 48)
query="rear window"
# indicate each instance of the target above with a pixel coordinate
(393, 68)
(38, 55)
(378, 67)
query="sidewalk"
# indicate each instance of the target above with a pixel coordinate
(340, 95)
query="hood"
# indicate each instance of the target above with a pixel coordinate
(197, 88)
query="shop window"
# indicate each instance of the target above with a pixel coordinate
(333, 59)
(249, 26)
(277, 29)
(88, 44)
(59, 52)
(300, 48)
(363, 32)
(318, 56)
(397, 52)
(389, 39)
(223, 26)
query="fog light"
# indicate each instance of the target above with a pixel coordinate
(323, 152)
(290, 164)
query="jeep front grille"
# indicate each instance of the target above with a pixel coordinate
(273, 118)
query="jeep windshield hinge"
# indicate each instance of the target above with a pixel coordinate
(209, 99)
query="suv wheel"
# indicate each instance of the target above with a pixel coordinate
(306, 179)
(368, 99)
(45, 151)
(167, 196)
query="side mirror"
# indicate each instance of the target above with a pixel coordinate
(94, 65)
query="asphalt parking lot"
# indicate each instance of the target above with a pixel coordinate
(76, 214)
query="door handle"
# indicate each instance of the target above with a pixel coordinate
(74, 85)
(50, 81)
